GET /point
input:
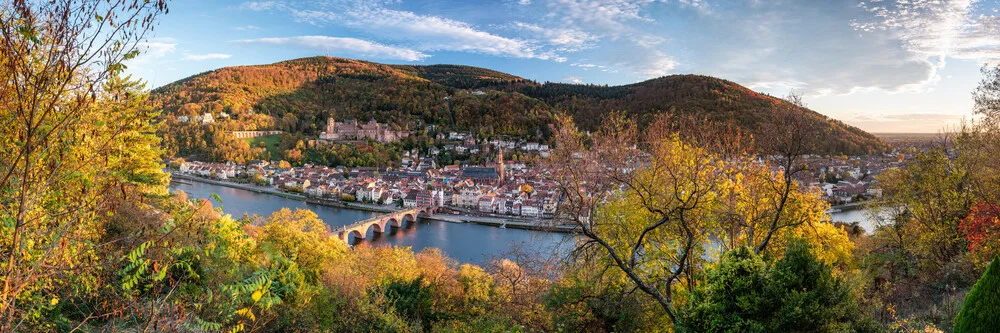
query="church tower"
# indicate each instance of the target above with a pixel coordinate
(500, 163)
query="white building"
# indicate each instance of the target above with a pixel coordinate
(207, 118)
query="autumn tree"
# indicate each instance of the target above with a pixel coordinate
(921, 208)
(981, 229)
(648, 213)
(978, 143)
(653, 204)
(786, 139)
(72, 138)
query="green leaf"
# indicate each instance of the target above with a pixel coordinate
(131, 55)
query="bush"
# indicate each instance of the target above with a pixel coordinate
(796, 293)
(981, 312)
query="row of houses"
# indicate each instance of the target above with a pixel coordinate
(522, 191)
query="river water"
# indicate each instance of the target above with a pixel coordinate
(470, 243)
(862, 216)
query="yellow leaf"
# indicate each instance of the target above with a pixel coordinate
(55, 300)
(256, 295)
(247, 313)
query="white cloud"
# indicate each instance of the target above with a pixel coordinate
(208, 56)
(572, 79)
(936, 28)
(799, 44)
(153, 54)
(314, 17)
(156, 49)
(655, 64)
(610, 16)
(260, 5)
(618, 27)
(563, 39)
(438, 33)
(246, 28)
(648, 40)
(420, 32)
(699, 5)
(343, 45)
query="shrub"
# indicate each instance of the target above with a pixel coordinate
(981, 312)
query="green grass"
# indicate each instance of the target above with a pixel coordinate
(270, 140)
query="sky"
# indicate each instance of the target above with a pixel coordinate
(902, 66)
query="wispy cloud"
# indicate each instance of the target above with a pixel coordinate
(343, 45)
(936, 28)
(207, 56)
(438, 33)
(246, 28)
(423, 32)
(260, 5)
(562, 39)
(618, 25)
(156, 49)
(611, 16)
(572, 79)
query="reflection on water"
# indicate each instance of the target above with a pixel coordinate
(464, 242)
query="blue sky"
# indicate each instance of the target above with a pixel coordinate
(882, 65)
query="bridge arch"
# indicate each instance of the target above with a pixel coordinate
(358, 236)
(394, 222)
(376, 227)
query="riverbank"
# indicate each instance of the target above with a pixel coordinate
(488, 221)
(273, 191)
(849, 206)
(248, 187)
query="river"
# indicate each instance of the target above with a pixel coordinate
(862, 216)
(465, 242)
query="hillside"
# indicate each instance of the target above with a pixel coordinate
(714, 98)
(467, 77)
(297, 96)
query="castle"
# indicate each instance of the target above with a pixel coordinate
(353, 130)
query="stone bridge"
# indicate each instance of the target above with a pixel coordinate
(382, 223)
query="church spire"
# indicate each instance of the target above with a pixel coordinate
(500, 163)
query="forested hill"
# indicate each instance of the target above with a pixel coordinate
(468, 77)
(298, 95)
(706, 96)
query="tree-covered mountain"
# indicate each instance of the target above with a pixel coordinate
(297, 96)
(708, 97)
